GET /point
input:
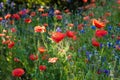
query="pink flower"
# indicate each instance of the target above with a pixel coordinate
(52, 60)
(13, 30)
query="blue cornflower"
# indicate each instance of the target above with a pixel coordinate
(107, 72)
(109, 44)
(82, 31)
(3, 21)
(93, 27)
(114, 46)
(109, 28)
(118, 42)
(51, 12)
(87, 53)
(79, 11)
(101, 45)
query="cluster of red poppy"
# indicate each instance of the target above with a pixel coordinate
(59, 36)
(99, 33)
(19, 72)
(17, 16)
(7, 39)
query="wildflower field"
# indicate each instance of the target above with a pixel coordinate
(57, 44)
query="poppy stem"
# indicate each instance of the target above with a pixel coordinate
(44, 41)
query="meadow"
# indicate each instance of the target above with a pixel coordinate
(61, 44)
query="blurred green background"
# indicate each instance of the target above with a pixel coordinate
(59, 3)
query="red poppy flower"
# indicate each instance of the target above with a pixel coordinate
(100, 33)
(74, 37)
(44, 14)
(6, 42)
(42, 67)
(118, 1)
(39, 29)
(70, 25)
(22, 12)
(16, 16)
(27, 11)
(41, 10)
(11, 22)
(84, 1)
(45, 24)
(33, 57)
(1, 18)
(92, 1)
(32, 14)
(98, 24)
(70, 34)
(11, 44)
(95, 43)
(86, 18)
(59, 17)
(45, 57)
(16, 60)
(117, 47)
(67, 10)
(118, 37)
(42, 50)
(80, 26)
(91, 14)
(57, 36)
(18, 72)
(2, 34)
(28, 20)
(7, 16)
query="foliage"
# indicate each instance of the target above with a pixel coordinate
(67, 56)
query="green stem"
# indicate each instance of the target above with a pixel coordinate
(44, 41)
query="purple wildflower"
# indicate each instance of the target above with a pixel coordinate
(58, 29)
